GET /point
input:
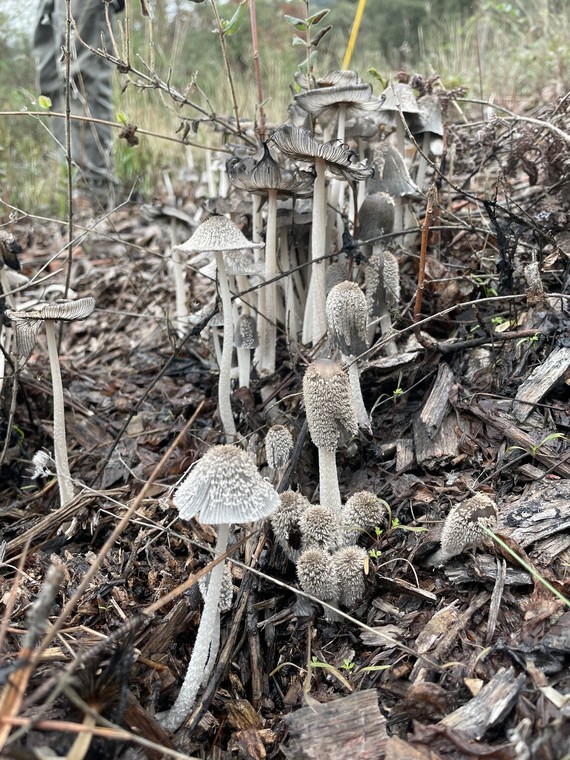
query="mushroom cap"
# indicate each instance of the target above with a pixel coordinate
(278, 446)
(285, 522)
(430, 118)
(328, 404)
(376, 216)
(246, 333)
(382, 278)
(225, 487)
(300, 145)
(351, 564)
(402, 95)
(362, 511)
(261, 175)
(321, 99)
(317, 575)
(462, 528)
(347, 314)
(217, 233)
(320, 527)
(392, 175)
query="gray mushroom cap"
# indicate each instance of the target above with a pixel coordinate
(328, 404)
(317, 574)
(400, 95)
(246, 333)
(347, 313)
(225, 487)
(217, 233)
(430, 118)
(278, 446)
(463, 527)
(376, 216)
(261, 175)
(391, 174)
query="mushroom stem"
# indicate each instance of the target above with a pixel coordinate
(356, 393)
(66, 490)
(318, 246)
(267, 326)
(181, 323)
(244, 365)
(224, 385)
(328, 480)
(202, 654)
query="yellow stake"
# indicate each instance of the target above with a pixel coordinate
(353, 34)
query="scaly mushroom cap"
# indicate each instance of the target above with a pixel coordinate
(317, 575)
(463, 527)
(300, 145)
(320, 527)
(246, 333)
(217, 233)
(382, 279)
(346, 310)
(376, 216)
(285, 522)
(278, 446)
(225, 487)
(260, 175)
(363, 511)
(351, 565)
(328, 404)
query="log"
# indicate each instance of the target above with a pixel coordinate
(540, 381)
(437, 403)
(351, 727)
(538, 514)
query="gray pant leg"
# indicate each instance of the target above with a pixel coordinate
(91, 82)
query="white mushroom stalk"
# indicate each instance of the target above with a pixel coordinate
(27, 324)
(224, 487)
(300, 145)
(216, 235)
(330, 415)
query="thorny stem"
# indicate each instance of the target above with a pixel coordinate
(227, 64)
(257, 67)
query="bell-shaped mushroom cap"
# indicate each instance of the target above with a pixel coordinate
(430, 118)
(363, 511)
(347, 313)
(402, 95)
(319, 100)
(285, 522)
(328, 404)
(376, 216)
(463, 526)
(391, 174)
(382, 282)
(225, 487)
(260, 175)
(351, 564)
(278, 446)
(217, 233)
(246, 333)
(317, 575)
(320, 527)
(300, 145)
(27, 322)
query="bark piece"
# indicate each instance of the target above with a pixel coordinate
(398, 749)
(405, 456)
(436, 449)
(540, 381)
(349, 727)
(493, 703)
(437, 404)
(543, 511)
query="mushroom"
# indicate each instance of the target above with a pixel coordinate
(346, 316)
(362, 511)
(317, 576)
(398, 100)
(463, 527)
(320, 527)
(246, 341)
(330, 415)
(286, 522)
(27, 323)
(428, 131)
(351, 565)
(265, 177)
(392, 177)
(300, 145)
(218, 234)
(224, 487)
(278, 447)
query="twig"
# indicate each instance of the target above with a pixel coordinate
(227, 65)
(422, 264)
(257, 68)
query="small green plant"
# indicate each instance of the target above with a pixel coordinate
(531, 340)
(535, 448)
(305, 26)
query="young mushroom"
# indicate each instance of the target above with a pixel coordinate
(216, 235)
(320, 528)
(351, 565)
(363, 511)
(317, 576)
(347, 313)
(330, 415)
(463, 527)
(286, 522)
(278, 447)
(26, 324)
(224, 487)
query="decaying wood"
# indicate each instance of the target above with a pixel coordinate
(540, 381)
(437, 402)
(398, 749)
(489, 707)
(403, 586)
(484, 568)
(488, 412)
(540, 513)
(351, 727)
(405, 456)
(438, 448)
(496, 597)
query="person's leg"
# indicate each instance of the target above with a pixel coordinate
(46, 46)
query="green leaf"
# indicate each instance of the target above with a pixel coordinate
(298, 41)
(297, 23)
(231, 27)
(121, 118)
(314, 18)
(44, 102)
(303, 64)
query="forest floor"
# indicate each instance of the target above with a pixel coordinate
(461, 661)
